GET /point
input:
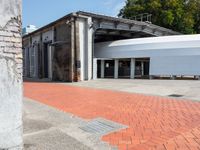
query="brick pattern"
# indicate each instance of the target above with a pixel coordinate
(11, 44)
(154, 122)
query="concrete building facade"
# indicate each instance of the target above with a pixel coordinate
(64, 50)
(10, 75)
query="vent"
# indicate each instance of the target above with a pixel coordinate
(102, 126)
(175, 95)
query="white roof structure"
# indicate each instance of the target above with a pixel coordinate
(169, 55)
(153, 46)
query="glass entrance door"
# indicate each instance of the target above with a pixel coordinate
(109, 68)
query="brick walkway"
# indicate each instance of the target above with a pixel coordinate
(154, 122)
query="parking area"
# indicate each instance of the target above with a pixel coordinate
(153, 120)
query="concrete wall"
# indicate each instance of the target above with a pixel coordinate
(59, 55)
(169, 55)
(62, 70)
(72, 50)
(11, 75)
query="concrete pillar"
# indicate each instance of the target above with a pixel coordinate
(197, 77)
(151, 77)
(142, 63)
(173, 77)
(94, 69)
(132, 68)
(77, 53)
(11, 75)
(36, 60)
(90, 47)
(102, 68)
(72, 76)
(85, 43)
(116, 72)
(50, 62)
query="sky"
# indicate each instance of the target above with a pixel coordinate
(42, 12)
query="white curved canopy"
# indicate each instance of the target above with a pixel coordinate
(169, 55)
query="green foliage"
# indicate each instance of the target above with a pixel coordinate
(179, 15)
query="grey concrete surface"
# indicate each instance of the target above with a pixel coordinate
(46, 128)
(190, 89)
(10, 75)
(9, 9)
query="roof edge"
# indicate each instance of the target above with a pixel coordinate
(75, 14)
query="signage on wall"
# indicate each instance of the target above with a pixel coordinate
(107, 65)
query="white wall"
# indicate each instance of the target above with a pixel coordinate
(170, 55)
(85, 43)
(83, 49)
(175, 65)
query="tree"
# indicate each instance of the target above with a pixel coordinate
(179, 15)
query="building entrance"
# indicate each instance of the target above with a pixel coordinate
(124, 68)
(109, 68)
(142, 68)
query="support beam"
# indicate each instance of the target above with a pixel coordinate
(132, 68)
(102, 68)
(116, 68)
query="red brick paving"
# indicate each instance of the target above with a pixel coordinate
(155, 123)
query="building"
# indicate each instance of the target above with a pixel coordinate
(167, 56)
(68, 49)
(28, 29)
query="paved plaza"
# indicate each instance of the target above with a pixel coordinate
(150, 118)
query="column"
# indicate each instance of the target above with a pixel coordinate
(173, 77)
(116, 69)
(90, 44)
(102, 68)
(142, 63)
(94, 69)
(11, 76)
(132, 68)
(50, 73)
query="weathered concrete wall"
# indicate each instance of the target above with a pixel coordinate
(62, 54)
(10, 75)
